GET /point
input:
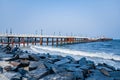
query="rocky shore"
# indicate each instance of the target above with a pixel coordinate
(16, 64)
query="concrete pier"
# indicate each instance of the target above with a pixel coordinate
(13, 39)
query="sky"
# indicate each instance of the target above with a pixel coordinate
(90, 18)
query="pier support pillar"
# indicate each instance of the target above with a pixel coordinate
(35, 40)
(27, 41)
(8, 41)
(52, 41)
(19, 41)
(56, 41)
(12, 41)
(61, 41)
(41, 40)
(23, 41)
(47, 41)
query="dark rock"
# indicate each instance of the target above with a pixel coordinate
(63, 61)
(91, 64)
(115, 75)
(15, 57)
(15, 49)
(57, 69)
(24, 56)
(73, 69)
(38, 73)
(8, 68)
(78, 75)
(1, 69)
(102, 67)
(48, 65)
(97, 75)
(106, 65)
(70, 58)
(41, 65)
(59, 76)
(24, 63)
(105, 72)
(18, 76)
(82, 61)
(43, 56)
(32, 78)
(33, 65)
(22, 71)
(34, 57)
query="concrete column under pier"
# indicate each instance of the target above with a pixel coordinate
(52, 41)
(56, 41)
(41, 40)
(47, 41)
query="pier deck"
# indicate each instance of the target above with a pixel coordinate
(25, 39)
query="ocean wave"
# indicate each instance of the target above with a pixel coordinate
(80, 53)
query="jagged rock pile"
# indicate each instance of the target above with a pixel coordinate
(55, 67)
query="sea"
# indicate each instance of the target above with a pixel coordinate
(99, 52)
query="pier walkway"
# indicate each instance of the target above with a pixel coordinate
(26, 39)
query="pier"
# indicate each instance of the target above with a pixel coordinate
(26, 39)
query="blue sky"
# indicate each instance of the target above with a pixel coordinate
(81, 17)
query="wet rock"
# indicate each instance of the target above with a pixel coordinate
(105, 72)
(43, 56)
(33, 65)
(24, 63)
(9, 75)
(78, 75)
(97, 75)
(59, 76)
(41, 65)
(102, 67)
(48, 65)
(106, 65)
(38, 73)
(91, 64)
(22, 71)
(63, 61)
(57, 69)
(8, 68)
(70, 58)
(18, 76)
(115, 75)
(73, 69)
(24, 56)
(82, 61)
(1, 69)
(34, 57)
(71, 65)
(15, 49)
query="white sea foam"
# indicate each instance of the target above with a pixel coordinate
(74, 52)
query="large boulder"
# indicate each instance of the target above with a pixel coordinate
(115, 75)
(38, 73)
(97, 75)
(24, 56)
(83, 61)
(57, 69)
(59, 76)
(17, 76)
(62, 62)
(34, 57)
